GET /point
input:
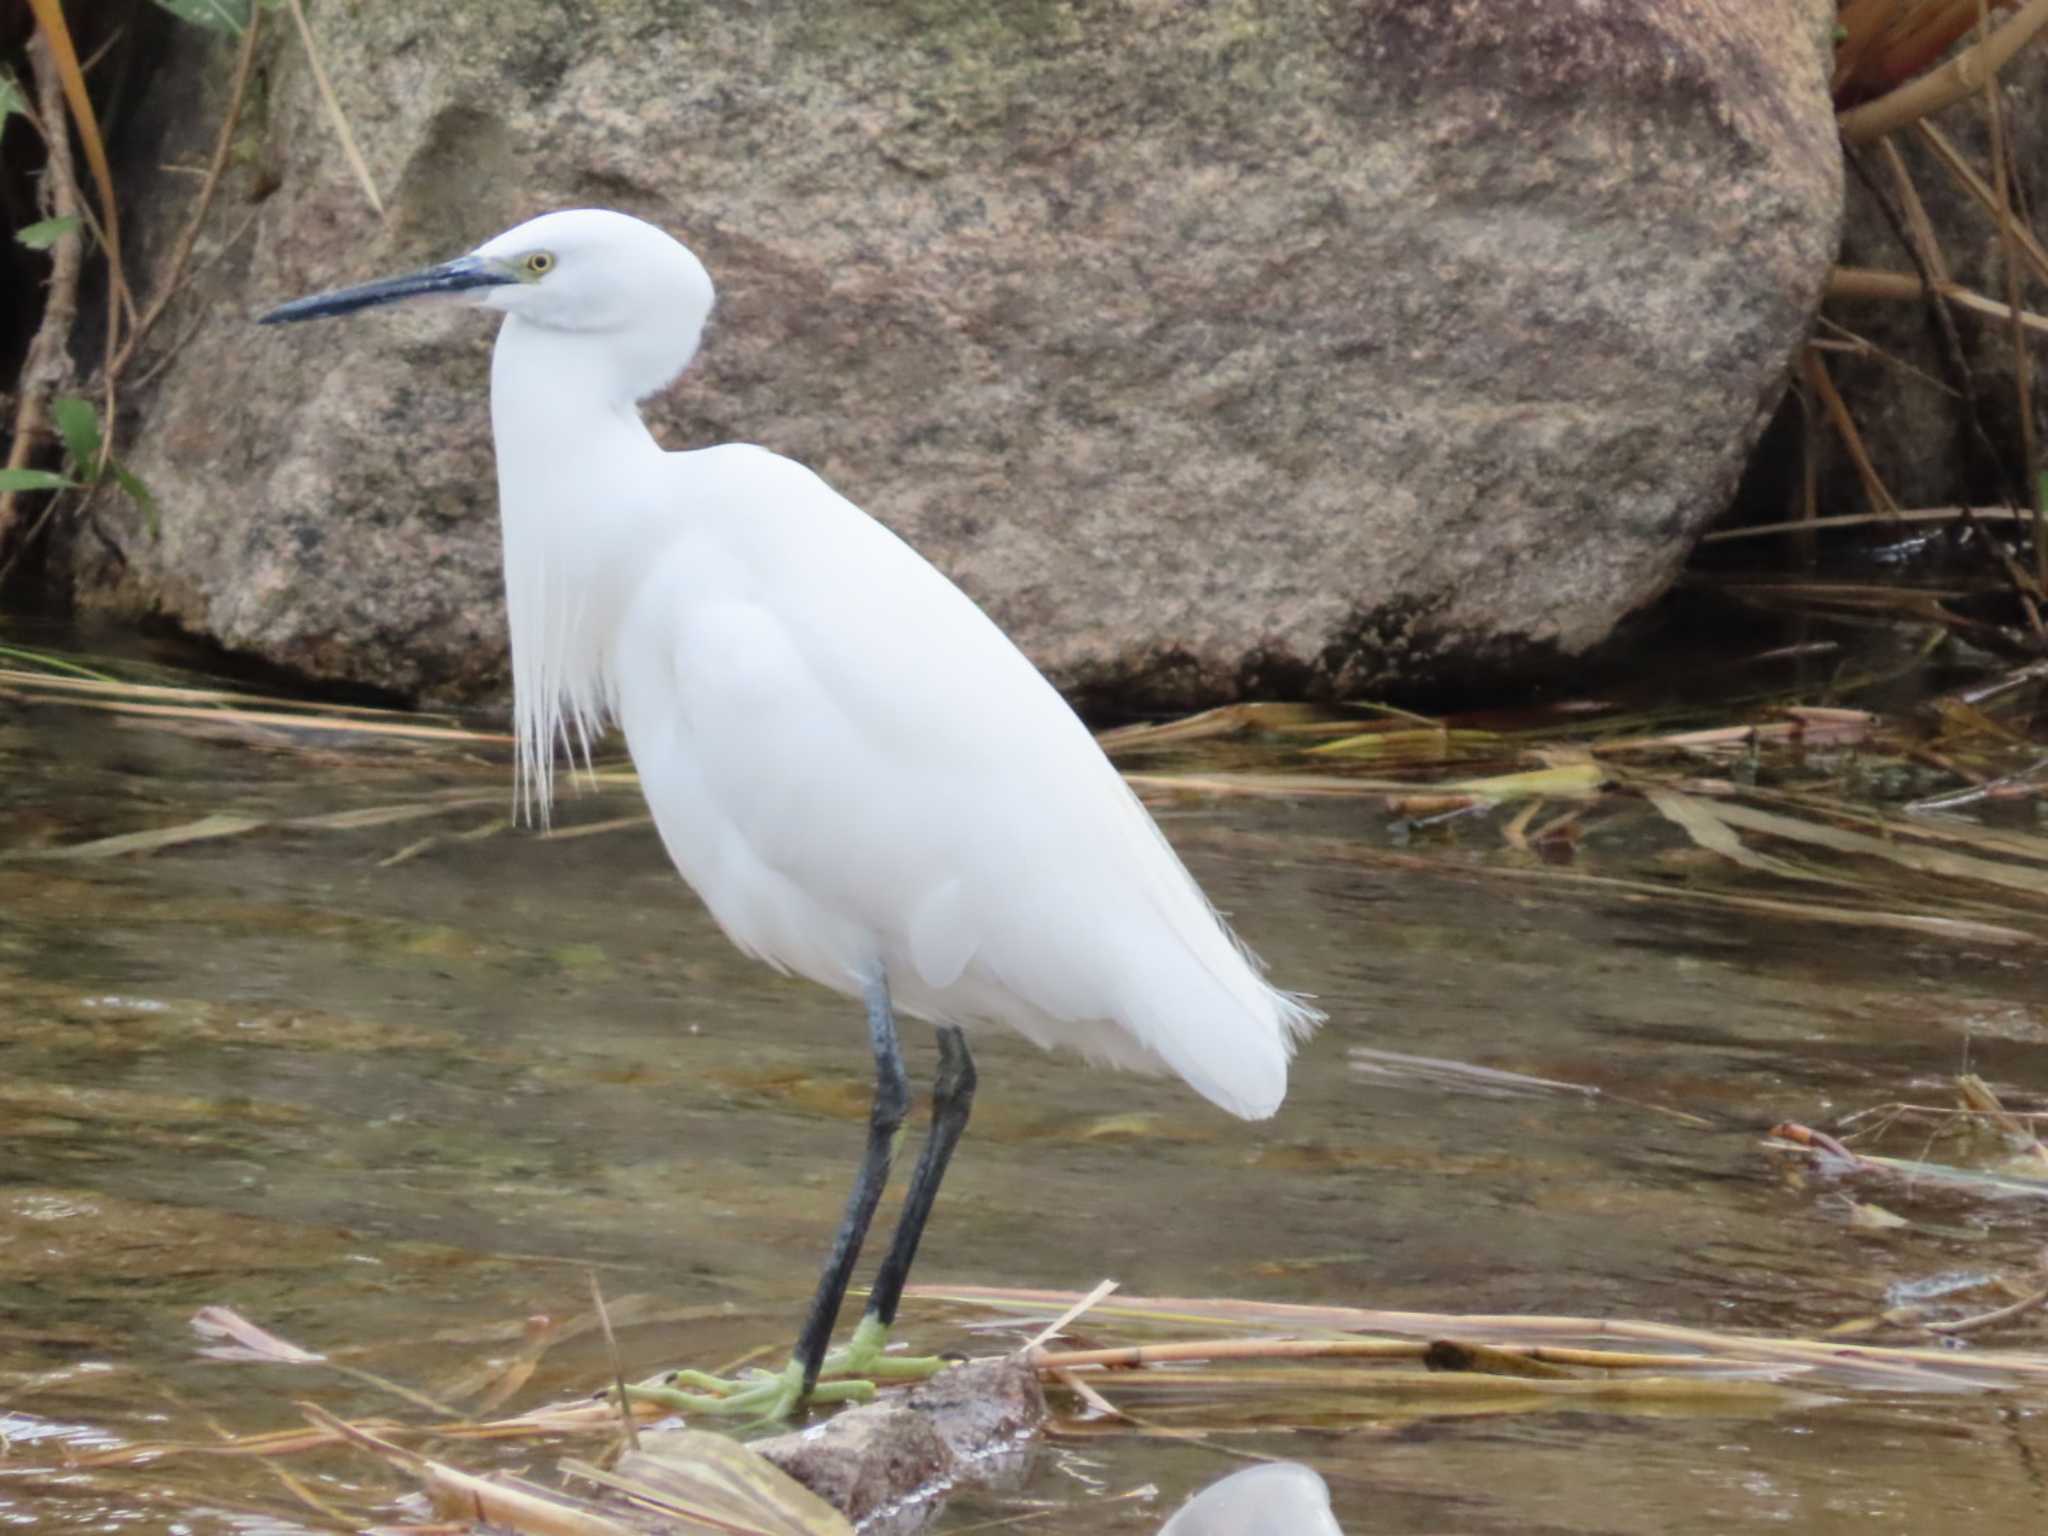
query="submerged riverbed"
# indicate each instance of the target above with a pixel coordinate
(389, 1083)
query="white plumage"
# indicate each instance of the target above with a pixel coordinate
(861, 776)
(847, 760)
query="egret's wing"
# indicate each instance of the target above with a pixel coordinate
(868, 755)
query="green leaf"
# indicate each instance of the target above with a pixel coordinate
(44, 233)
(80, 425)
(12, 101)
(231, 16)
(138, 493)
(35, 480)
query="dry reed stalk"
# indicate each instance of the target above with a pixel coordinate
(589, 1417)
(216, 167)
(331, 104)
(1200, 1350)
(1818, 380)
(1874, 283)
(1908, 1368)
(114, 687)
(56, 33)
(481, 1500)
(2022, 355)
(611, 1345)
(47, 366)
(1960, 77)
(1965, 176)
(272, 720)
(1923, 515)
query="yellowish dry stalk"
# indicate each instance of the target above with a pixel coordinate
(181, 253)
(1967, 178)
(1823, 386)
(459, 1495)
(1961, 76)
(1865, 519)
(48, 366)
(332, 104)
(1874, 283)
(1132, 1355)
(265, 719)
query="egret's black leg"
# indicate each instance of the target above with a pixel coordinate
(892, 1099)
(952, 1102)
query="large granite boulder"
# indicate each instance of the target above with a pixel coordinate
(1242, 347)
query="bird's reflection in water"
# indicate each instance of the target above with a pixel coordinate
(1281, 1498)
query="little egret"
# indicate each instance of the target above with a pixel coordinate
(858, 773)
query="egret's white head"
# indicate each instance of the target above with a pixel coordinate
(636, 294)
(590, 269)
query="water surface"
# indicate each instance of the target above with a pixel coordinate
(391, 1097)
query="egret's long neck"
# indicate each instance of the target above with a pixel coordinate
(578, 489)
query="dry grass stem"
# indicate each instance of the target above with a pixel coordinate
(1960, 77)
(1906, 287)
(1924, 515)
(47, 366)
(274, 720)
(1815, 372)
(611, 1344)
(331, 103)
(1992, 1319)
(1965, 176)
(216, 167)
(1818, 1363)
(480, 1500)
(1103, 1290)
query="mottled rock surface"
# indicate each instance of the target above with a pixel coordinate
(1246, 347)
(866, 1459)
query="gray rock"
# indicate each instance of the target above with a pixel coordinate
(862, 1460)
(1232, 349)
(865, 1459)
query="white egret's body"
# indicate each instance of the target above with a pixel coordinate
(846, 759)
(864, 780)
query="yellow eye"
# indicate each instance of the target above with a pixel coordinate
(537, 263)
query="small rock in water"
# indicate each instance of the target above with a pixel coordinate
(866, 1459)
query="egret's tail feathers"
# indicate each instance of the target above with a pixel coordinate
(1230, 1038)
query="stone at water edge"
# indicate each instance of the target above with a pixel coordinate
(1270, 348)
(865, 1459)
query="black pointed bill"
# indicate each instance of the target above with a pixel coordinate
(457, 276)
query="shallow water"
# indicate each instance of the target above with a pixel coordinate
(392, 1110)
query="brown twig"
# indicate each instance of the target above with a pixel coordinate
(1960, 170)
(1823, 386)
(332, 104)
(1945, 86)
(478, 1499)
(1928, 263)
(2022, 358)
(48, 365)
(1195, 1351)
(1865, 519)
(611, 1344)
(181, 253)
(1875, 283)
(1992, 1318)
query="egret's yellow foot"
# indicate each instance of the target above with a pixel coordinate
(762, 1396)
(863, 1356)
(848, 1375)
